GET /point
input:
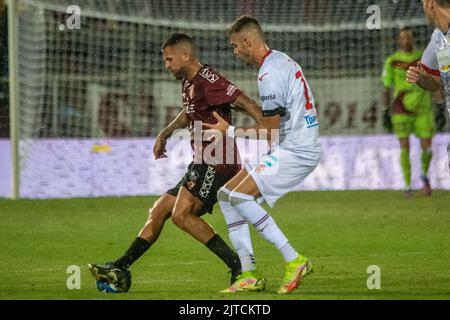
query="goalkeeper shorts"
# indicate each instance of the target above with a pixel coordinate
(422, 125)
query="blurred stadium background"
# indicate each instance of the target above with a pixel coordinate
(90, 100)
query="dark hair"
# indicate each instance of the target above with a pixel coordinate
(178, 38)
(245, 22)
(407, 29)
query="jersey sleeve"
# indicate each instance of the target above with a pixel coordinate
(387, 77)
(219, 90)
(429, 57)
(272, 95)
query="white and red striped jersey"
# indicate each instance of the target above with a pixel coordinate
(436, 60)
(284, 90)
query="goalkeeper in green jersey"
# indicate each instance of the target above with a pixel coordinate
(410, 108)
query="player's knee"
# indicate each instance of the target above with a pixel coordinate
(178, 218)
(223, 194)
(237, 198)
(156, 213)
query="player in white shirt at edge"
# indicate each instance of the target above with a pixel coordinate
(287, 105)
(434, 72)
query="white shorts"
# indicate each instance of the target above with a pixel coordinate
(281, 172)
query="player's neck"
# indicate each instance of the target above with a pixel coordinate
(193, 70)
(407, 50)
(261, 54)
(443, 19)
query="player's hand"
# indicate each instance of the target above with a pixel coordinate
(415, 74)
(221, 124)
(159, 149)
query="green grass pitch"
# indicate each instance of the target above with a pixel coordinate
(342, 232)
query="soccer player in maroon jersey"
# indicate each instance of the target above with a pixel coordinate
(204, 91)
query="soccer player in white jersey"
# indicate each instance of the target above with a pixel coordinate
(287, 106)
(434, 72)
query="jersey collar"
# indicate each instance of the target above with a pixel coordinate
(196, 75)
(445, 33)
(265, 57)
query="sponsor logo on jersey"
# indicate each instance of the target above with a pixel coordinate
(311, 121)
(190, 107)
(208, 75)
(268, 97)
(231, 90)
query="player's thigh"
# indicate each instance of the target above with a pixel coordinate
(235, 181)
(424, 127)
(403, 125)
(163, 206)
(186, 203)
(244, 183)
(203, 182)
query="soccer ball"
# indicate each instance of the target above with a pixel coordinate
(121, 282)
(106, 287)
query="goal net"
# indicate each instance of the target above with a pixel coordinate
(93, 91)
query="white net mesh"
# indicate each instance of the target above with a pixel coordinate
(105, 78)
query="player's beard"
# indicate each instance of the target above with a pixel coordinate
(246, 59)
(179, 75)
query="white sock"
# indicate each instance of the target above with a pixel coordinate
(249, 209)
(248, 262)
(239, 232)
(289, 253)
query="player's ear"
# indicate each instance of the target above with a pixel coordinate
(247, 42)
(186, 57)
(429, 4)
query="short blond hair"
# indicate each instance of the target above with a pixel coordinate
(245, 22)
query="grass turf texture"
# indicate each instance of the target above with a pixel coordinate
(342, 232)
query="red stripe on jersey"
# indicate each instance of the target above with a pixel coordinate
(431, 71)
(308, 105)
(265, 56)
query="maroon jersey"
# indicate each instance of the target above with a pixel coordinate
(207, 92)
